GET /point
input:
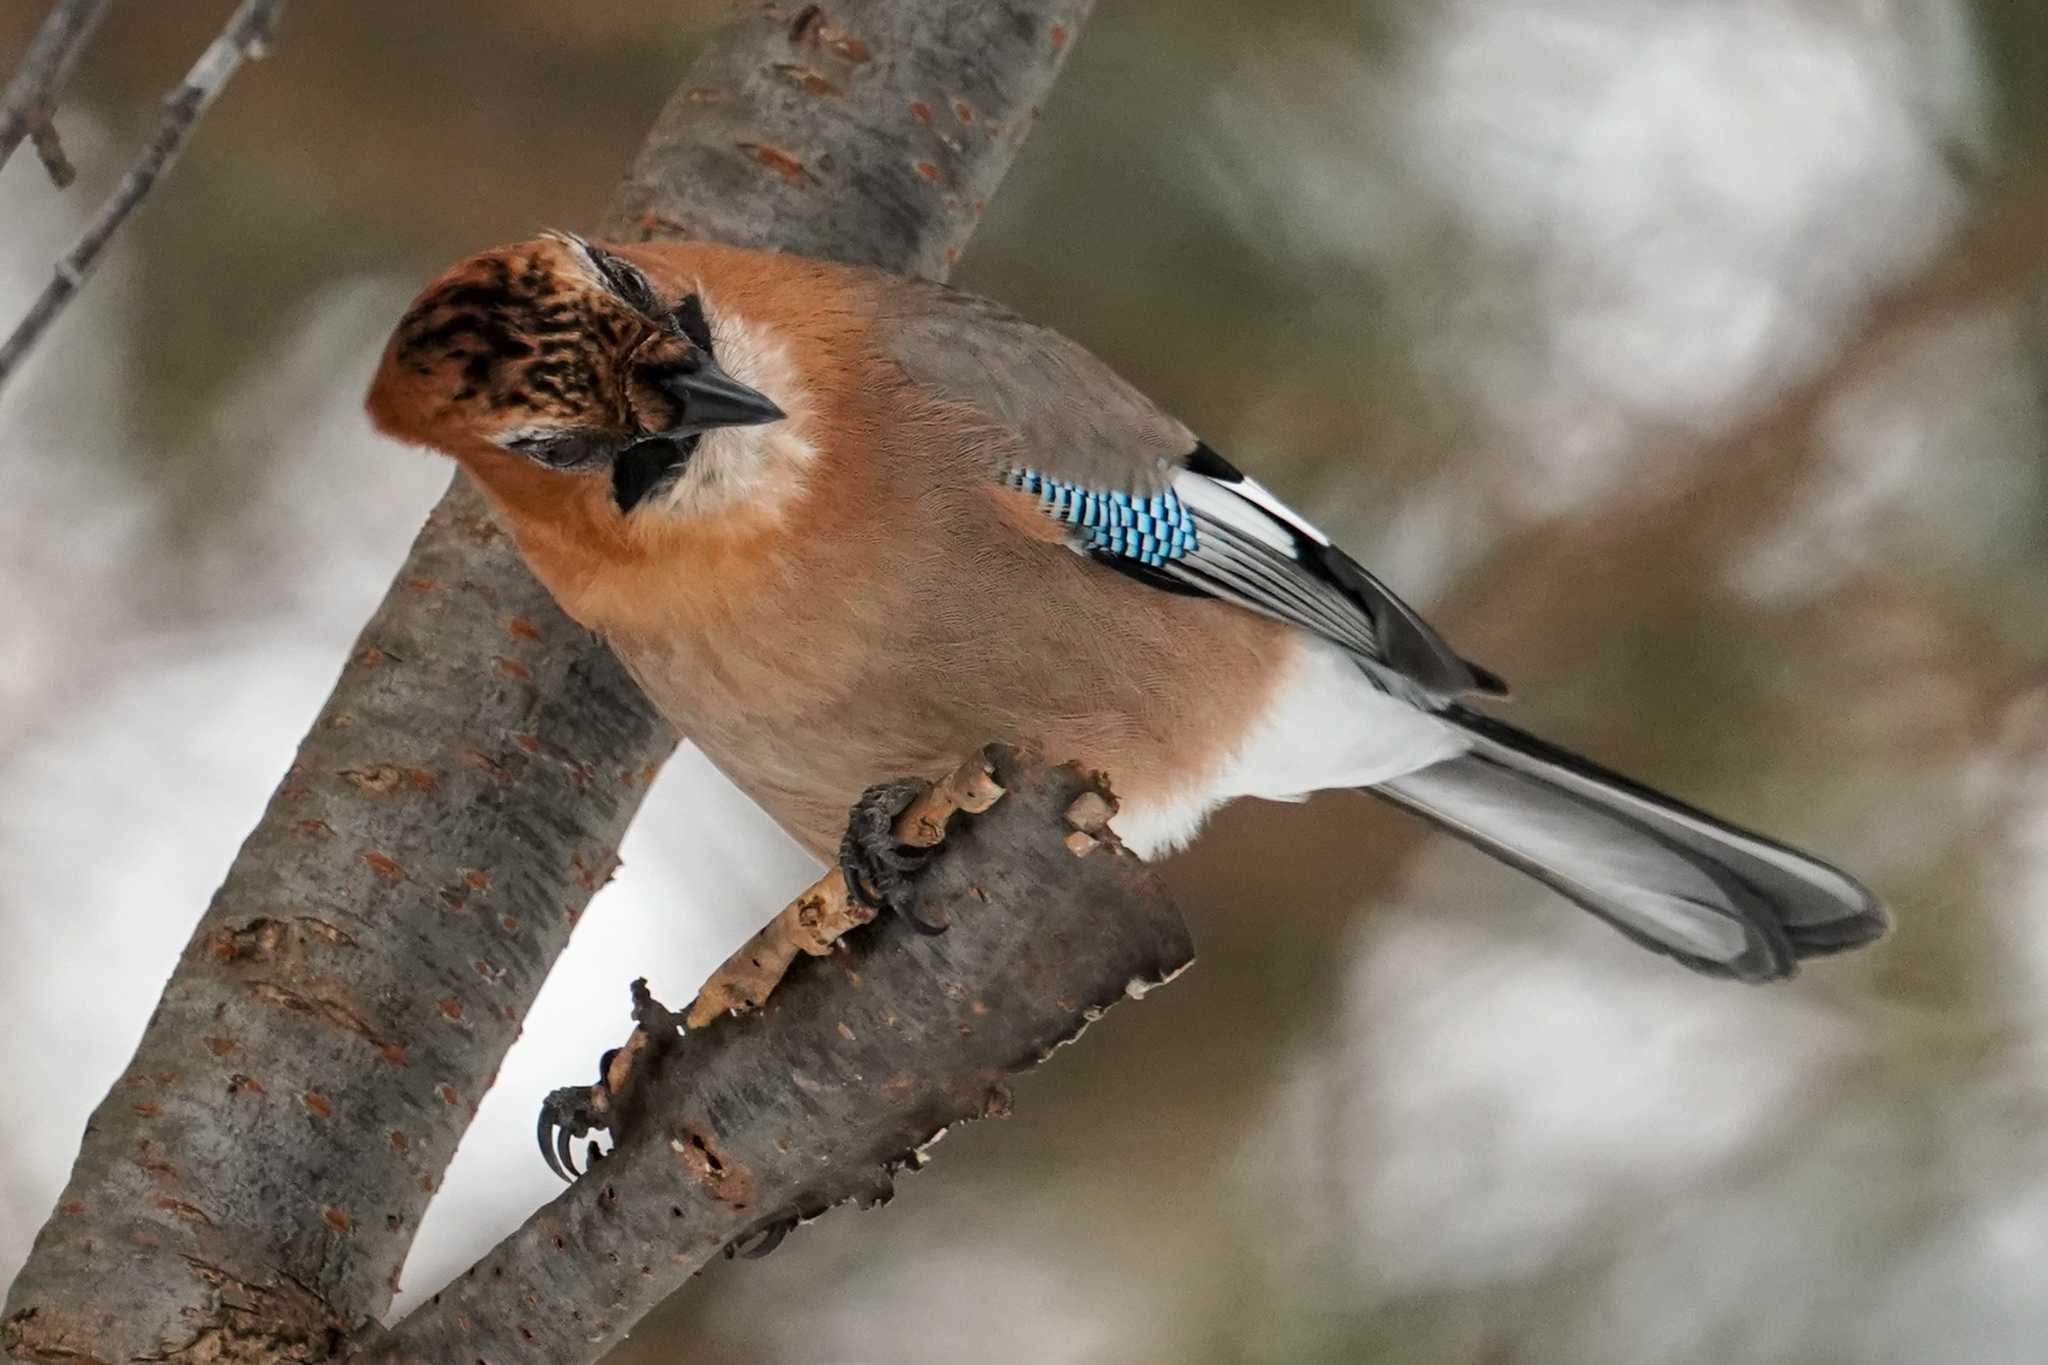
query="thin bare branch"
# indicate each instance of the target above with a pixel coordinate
(50, 151)
(31, 98)
(247, 35)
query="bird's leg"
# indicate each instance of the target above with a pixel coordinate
(876, 864)
(902, 819)
(575, 1111)
(890, 828)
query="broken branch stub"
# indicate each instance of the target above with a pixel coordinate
(825, 910)
(857, 1062)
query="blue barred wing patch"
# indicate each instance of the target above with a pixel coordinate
(1149, 528)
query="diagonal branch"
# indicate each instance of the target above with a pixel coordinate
(247, 35)
(31, 97)
(1706, 490)
(258, 1173)
(884, 1045)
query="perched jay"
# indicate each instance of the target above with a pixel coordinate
(842, 526)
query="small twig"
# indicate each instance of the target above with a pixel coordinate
(50, 149)
(247, 35)
(31, 96)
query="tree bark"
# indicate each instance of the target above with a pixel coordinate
(251, 1185)
(857, 1063)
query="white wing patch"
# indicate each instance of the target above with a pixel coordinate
(1235, 507)
(1250, 552)
(1250, 548)
(1254, 491)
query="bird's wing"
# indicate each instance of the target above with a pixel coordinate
(1055, 397)
(1142, 495)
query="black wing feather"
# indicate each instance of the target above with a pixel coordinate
(1252, 550)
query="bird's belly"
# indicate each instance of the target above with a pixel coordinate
(1161, 702)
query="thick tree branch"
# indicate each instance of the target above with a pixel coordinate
(825, 911)
(247, 35)
(31, 97)
(253, 1183)
(869, 1055)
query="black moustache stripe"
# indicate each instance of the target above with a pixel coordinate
(644, 469)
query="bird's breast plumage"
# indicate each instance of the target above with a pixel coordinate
(876, 594)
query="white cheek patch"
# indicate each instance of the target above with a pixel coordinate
(761, 468)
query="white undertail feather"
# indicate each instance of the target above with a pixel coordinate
(1327, 726)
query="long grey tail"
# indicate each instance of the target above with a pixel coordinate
(1721, 900)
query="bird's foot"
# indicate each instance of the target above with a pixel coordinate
(890, 830)
(877, 865)
(758, 1242)
(576, 1111)
(569, 1113)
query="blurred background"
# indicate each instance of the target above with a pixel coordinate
(1688, 360)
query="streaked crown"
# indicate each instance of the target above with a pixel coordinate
(563, 352)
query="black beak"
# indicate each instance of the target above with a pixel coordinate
(709, 397)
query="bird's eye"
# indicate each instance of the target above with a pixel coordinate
(559, 449)
(626, 281)
(688, 319)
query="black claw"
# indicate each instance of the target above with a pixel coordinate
(575, 1111)
(565, 1146)
(771, 1238)
(764, 1239)
(544, 1133)
(877, 868)
(565, 1115)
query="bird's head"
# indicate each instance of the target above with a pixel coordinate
(564, 354)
